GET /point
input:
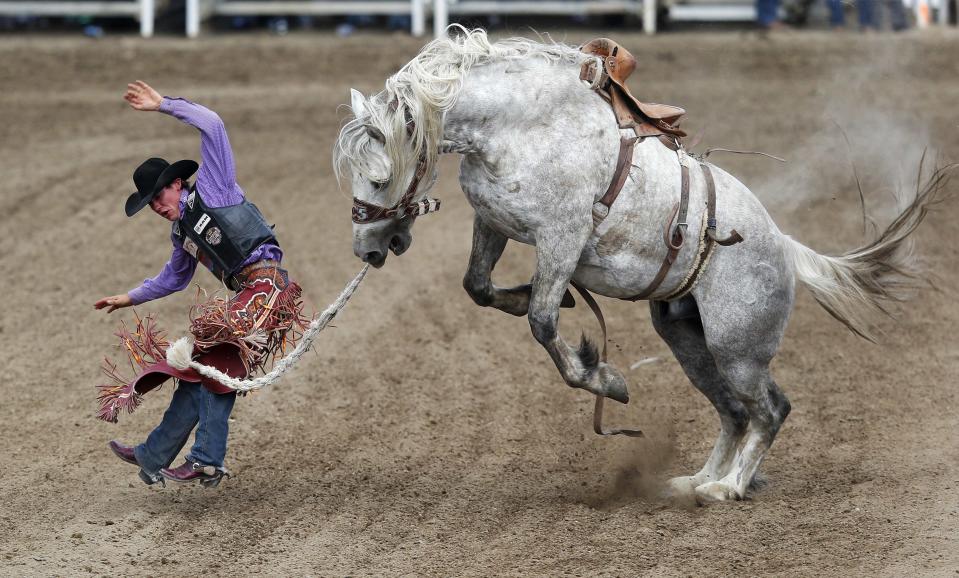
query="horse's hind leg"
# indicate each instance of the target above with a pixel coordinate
(685, 339)
(744, 312)
(768, 408)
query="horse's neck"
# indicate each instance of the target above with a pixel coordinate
(514, 117)
(530, 97)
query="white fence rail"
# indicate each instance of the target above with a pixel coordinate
(443, 8)
(695, 10)
(143, 10)
(195, 10)
(714, 11)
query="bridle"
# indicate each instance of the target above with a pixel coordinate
(365, 212)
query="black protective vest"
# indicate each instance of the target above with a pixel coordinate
(221, 238)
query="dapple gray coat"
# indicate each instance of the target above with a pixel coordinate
(539, 148)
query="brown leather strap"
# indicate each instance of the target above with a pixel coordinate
(674, 237)
(679, 233)
(734, 237)
(418, 175)
(623, 163)
(694, 274)
(587, 72)
(594, 306)
(669, 142)
(709, 237)
(598, 407)
(365, 212)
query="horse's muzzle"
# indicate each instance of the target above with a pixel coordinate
(399, 244)
(375, 258)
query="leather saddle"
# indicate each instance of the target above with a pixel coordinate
(645, 118)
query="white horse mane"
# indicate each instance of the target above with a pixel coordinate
(407, 116)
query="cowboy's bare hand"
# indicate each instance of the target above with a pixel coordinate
(115, 302)
(141, 96)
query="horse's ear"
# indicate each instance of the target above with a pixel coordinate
(357, 102)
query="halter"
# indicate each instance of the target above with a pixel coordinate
(365, 212)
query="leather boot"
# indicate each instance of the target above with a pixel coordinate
(192, 472)
(123, 452)
(127, 454)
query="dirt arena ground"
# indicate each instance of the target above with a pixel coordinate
(427, 436)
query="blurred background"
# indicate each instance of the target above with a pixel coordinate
(95, 18)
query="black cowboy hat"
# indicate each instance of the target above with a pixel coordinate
(150, 178)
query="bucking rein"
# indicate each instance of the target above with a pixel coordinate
(645, 120)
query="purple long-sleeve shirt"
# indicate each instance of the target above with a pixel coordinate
(216, 184)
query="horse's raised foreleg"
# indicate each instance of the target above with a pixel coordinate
(488, 246)
(557, 255)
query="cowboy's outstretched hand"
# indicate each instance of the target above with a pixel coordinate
(115, 302)
(141, 96)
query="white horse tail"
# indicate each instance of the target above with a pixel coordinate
(860, 283)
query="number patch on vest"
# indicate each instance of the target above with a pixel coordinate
(201, 224)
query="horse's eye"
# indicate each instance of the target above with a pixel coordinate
(380, 185)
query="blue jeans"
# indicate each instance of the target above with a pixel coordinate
(869, 13)
(837, 15)
(192, 404)
(767, 12)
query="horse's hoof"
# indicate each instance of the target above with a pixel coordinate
(613, 383)
(680, 487)
(716, 492)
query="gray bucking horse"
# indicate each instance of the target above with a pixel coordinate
(550, 137)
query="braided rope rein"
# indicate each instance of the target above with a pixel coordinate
(179, 354)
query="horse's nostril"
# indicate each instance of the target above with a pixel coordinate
(373, 257)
